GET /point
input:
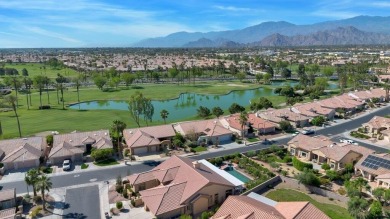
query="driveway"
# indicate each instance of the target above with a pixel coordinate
(83, 203)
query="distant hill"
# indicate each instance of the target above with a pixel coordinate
(207, 43)
(338, 36)
(373, 24)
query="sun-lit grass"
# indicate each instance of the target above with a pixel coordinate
(38, 69)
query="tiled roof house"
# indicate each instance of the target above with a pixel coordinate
(182, 185)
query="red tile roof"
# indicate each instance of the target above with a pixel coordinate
(176, 171)
(246, 207)
(310, 143)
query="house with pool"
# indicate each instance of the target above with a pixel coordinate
(182, 185)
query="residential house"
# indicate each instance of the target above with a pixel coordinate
(74, 145)
(314, 109)
(375, 167)
(278, 115)
(7, 204)
(343, 102)
(368, 95)
(7, 199)
(261, 125)
(148, 139)
(383, 78)
(182, 185)
(21, 152)
(377, 124)
(322, 150)
(210, 130)
(255, 206)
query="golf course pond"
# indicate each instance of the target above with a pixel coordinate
(186, 105)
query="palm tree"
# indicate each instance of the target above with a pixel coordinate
(39, 83)
(77, 83)
(243, 119)
(46, 81)
(27, 84)
(12, 101)
(164, 115)
(116, 130)
(44, 184)
(31, 179)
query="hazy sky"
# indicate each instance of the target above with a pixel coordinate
(76, 23)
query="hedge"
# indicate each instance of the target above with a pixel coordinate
(299, 165)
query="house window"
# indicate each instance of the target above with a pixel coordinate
(303, 154)
(332, 165)
(292, 151)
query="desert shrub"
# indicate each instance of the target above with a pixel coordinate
(287, 159)
(49, 140)
(84, 166)
(102, 154)
(325, 166)
(341, 191)
(119, 205)
(119, 188)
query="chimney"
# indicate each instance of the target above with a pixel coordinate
(196, 165)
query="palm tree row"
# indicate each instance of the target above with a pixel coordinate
(39, 182)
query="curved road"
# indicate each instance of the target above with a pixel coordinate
(109, 173)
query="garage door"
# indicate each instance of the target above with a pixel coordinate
(153, 148)
(25, 164)
(142, 150)
(225, 138)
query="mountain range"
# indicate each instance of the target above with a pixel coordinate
(357, 30)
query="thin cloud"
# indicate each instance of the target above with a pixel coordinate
(231, 8)
(334, 14)
(52, 34)
(380, 4)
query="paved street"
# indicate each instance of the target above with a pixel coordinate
(82, 203)
(103, 174)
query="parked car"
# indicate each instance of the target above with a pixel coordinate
(67, 164)
(308, 132)
(295, 133)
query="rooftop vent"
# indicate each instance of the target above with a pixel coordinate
(196, 164)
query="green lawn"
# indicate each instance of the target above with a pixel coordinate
(253, 139)
(200, 149)
(39, 69)
(107, 162)
(34, 120)
(286, 195)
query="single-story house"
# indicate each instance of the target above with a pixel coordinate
(74, 145)
(148, 139)
(256, 206)
(321, 150)
(7, 199)
(21, 152)
(182, 185)
(377, 124)
(278, 115)
(383, 78)
(373, 166)
(314, 109)
(368, 95)
(210, 130)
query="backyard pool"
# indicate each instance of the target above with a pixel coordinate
(237, 174)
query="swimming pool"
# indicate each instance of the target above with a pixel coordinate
(237, 174)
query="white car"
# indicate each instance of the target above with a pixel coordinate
(67, 164)
(295, 133)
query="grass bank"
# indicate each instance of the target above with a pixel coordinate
(288, 195)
